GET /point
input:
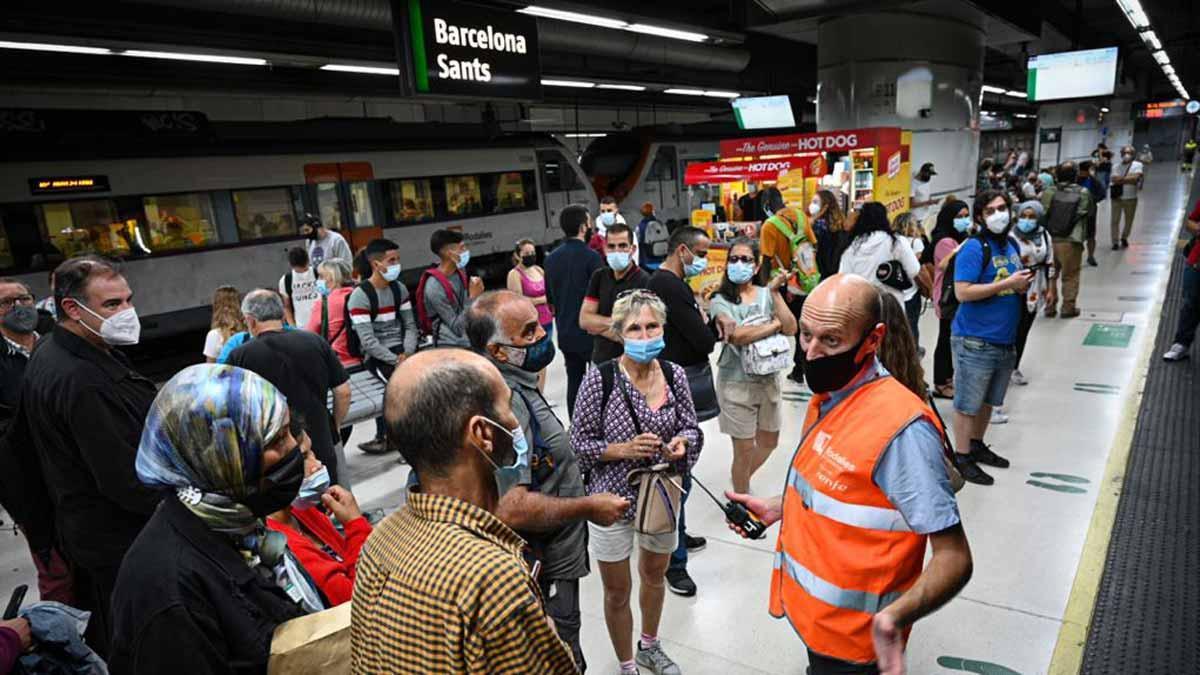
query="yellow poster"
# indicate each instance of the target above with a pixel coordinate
(791, 186)
(703, 219)
(717, 255)
(893, 179)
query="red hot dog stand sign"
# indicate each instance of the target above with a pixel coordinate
(887, 139)
(730, 172)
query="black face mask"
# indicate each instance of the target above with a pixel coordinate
(529, 260)
(280, 486)
(831, 373)
(535, 356)
(21, 319)
(313, 234)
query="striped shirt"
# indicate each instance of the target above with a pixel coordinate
(394, 328)
(441, 587)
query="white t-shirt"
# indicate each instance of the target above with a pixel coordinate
(921, 192)
(213, 342)
(866, 254)
(304, 294)
(1129, 190)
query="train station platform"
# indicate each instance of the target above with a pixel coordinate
(1040, 535)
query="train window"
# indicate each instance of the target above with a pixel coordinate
(86, 226)
(180, 221)
(328, 206)
(557, 173)
(360, 204)
(412, 200)
(463, 196)
(264, 213)
(510, 193)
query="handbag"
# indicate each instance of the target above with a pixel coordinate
(658, 495)
(704, 392)
(1116, 189)
(316, 644)
(769, 355)
(892, 275)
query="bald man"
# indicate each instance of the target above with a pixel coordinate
(441, 585)
(865, 490)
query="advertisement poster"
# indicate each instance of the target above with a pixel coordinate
(717, 255)
(703, 219)
(894, 188)
(791, 186)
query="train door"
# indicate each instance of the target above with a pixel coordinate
(662, 182)
(346, 199)
(560, 185)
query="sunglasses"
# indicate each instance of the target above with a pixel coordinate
(638, 293)
(741, 259)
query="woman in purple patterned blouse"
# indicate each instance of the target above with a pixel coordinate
(608, 448)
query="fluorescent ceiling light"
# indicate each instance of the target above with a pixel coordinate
(568, 83)
(623, 87)
(1104, 110)
(1134, 12)
(584, 135)
(666, 32)
(574, 17)
(369, 70)
(1169, 69)
(722, 94)
(1151, 40)
(994, 90)
(1025, 116)
(1016, 94)
(42, 47)
(685, 92)
(205, 58)
(1161, 57)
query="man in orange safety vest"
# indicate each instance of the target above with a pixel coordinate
(865, 490)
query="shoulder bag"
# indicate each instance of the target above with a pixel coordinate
(658, 492)
(769, 355)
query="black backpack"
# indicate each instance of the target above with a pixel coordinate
(1062, 215)
(949, 301)
(353, 344)
(608, 376)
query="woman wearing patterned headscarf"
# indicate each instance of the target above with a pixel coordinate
(205, 583)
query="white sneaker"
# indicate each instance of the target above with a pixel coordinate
(1177, 352)
(1019, 378)
(998, 416)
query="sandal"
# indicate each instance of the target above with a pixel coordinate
(945, 391)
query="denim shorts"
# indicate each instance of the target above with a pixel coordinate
(981, 373)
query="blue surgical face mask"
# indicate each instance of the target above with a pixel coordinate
(511, 475)
(464, 258)
(696, 267)
(740, 272)
(644, 351)
(322, 287)
(314, 485)
(962, 224)
(392, 272)
(607, 218)
(618, 260)
(1027, 225)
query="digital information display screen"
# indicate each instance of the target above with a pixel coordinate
(763, 112)
(1092, 72)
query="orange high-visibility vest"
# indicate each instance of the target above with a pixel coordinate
(844, 552)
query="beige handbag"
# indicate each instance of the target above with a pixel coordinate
(658, 499)
(316, 643)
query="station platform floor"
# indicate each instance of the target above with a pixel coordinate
(1041, 531)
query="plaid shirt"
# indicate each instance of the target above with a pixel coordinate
(441, 587)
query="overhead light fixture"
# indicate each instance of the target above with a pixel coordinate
(568, 83)
(993, 90)
(1134, 12)
(1169, 70)
(1161, 57)
(684, 92)
(1016, 94)
(1151, 40)
(574, 17)
(584, 135)
(1025, 116)
(369, 70)
(722, 94)
(1104, 110)
(659, 31)
(203, 58)
(43, 47)
(622, 87)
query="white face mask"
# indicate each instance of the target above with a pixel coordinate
(814, 208)
(997, 222)
(122, 328)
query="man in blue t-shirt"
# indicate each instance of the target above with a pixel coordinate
(984, 332)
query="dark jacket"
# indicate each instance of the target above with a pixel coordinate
(22, 490)
(186, 602)
(568, 270)
(85, 408)
(830, 247)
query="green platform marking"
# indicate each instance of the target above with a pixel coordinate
(1133, 298)
(972, 666)
(1109, 335)
(1095, 388)
(1064, 477)
(1057, 488)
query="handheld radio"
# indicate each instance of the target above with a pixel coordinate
(738, 514)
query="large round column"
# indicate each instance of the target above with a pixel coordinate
(920, 70)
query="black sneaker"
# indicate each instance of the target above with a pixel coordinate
(1116, 246)
(796, 376)
(970, 471)
(1092, 262)
(375, 446)
(694, 543)
(1124, 242)
(680, 583)
(981, 453)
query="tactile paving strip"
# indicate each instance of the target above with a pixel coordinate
(1144, 622)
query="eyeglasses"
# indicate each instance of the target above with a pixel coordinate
(741, 259)
(7, 303)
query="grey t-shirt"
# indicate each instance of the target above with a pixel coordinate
(729, 365)
(394, 325)
(447, 313)
(563, 552)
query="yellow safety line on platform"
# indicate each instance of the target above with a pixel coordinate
(1076, 621)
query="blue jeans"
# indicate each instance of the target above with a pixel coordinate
(981, 373)
(680, 557)
(1189, 314)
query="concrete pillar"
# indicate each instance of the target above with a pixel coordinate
(932, 90)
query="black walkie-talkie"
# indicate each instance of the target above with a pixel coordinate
(738, 514)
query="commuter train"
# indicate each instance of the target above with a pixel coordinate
(188, 205)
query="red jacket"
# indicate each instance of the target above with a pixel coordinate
(335, 578)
